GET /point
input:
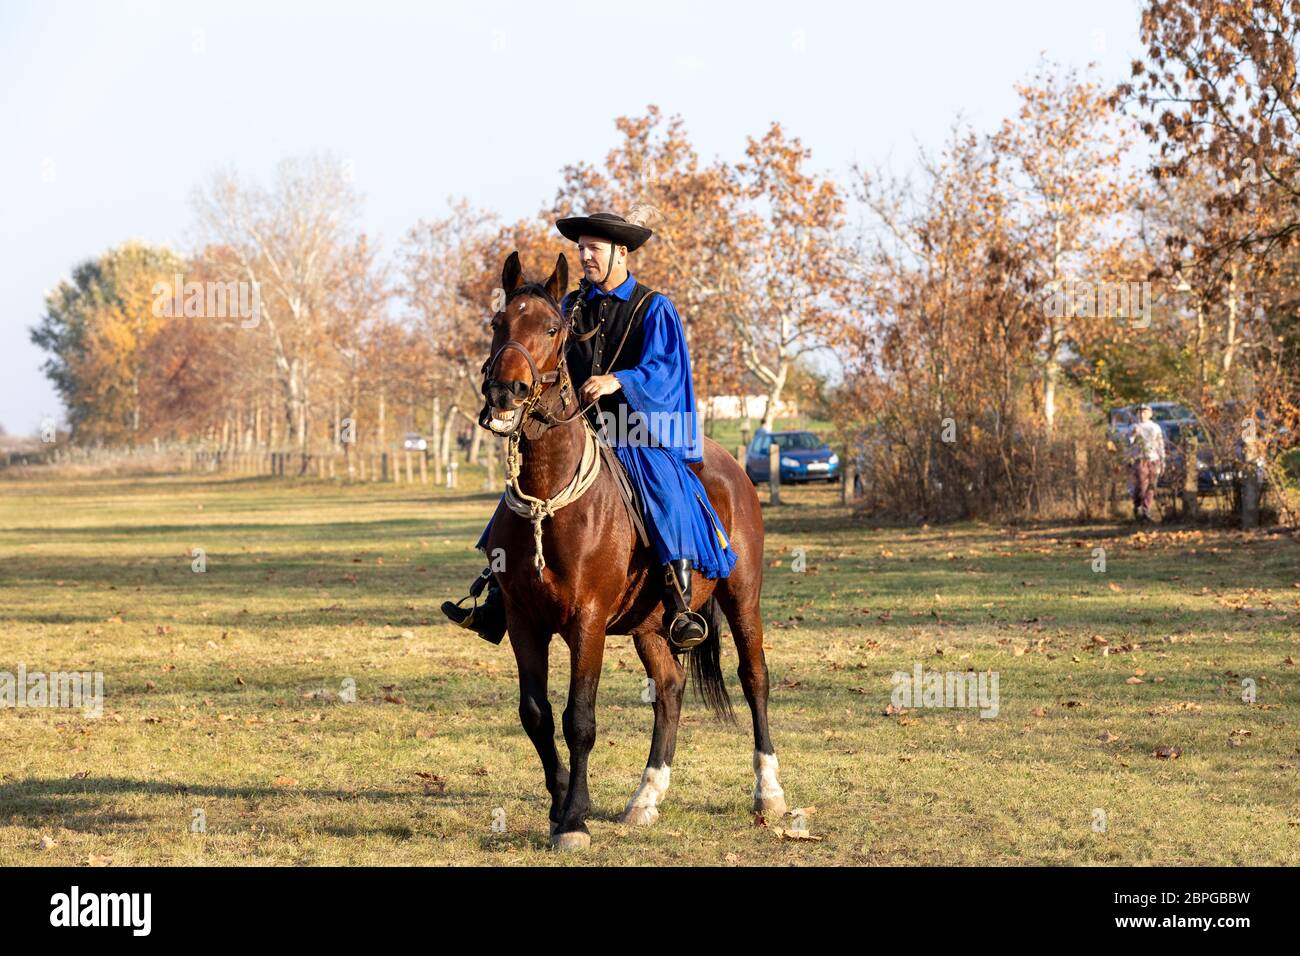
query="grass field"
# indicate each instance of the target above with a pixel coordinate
(223, 691)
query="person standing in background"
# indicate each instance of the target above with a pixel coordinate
(1149, 464)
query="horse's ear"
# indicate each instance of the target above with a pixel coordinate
(558, 283)
(512, 275)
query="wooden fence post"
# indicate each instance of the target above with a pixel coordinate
(848, 477)
(774, 474)
(1191, 487)
(1250, 498)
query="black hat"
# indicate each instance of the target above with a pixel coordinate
(604, 225)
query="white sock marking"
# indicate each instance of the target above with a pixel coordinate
(766, 786)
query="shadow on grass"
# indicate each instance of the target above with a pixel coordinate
(80, 804)
(374, 534)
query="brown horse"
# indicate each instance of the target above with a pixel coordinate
(599, 579)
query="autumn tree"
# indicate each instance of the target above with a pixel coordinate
(98, 328)
(1218, 87)
(291, 241)
(936, 370)
(1062, 156)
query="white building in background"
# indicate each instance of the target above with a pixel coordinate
(744, 406)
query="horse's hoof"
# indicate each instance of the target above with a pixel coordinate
(573, 840)
(640, 816)
(771, 807)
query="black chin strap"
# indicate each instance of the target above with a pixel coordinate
(609, 268)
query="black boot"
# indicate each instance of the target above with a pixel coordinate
(687, 628)
(487, 620)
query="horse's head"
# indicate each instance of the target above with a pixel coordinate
(528, 338)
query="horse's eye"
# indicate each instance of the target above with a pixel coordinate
(551, 332)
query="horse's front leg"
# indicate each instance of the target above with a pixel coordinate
(530, 647)
(586, 639)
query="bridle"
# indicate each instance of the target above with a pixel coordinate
(542, 380)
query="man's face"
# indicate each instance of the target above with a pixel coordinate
(1145, 414)
(593, 255)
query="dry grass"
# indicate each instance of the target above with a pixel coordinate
(214, 691)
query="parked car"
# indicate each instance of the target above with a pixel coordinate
(804, 457)
(414, 442)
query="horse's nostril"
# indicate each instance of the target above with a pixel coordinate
(503, 394)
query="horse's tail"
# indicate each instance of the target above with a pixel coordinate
(706, 665)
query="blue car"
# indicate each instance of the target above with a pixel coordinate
(804, 457)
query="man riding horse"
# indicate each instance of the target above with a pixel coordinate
(629, 351)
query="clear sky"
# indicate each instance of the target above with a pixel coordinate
(112, 112)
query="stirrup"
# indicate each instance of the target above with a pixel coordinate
(681, 621)
(473, 619)
(458, 614)
(684, 617)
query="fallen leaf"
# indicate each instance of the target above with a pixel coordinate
(796, 835)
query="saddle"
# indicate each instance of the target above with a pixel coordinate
(627, 492)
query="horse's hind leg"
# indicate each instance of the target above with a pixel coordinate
(740, 604)
(668, 680)
(535, 712)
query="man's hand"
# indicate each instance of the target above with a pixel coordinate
(598, 385)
